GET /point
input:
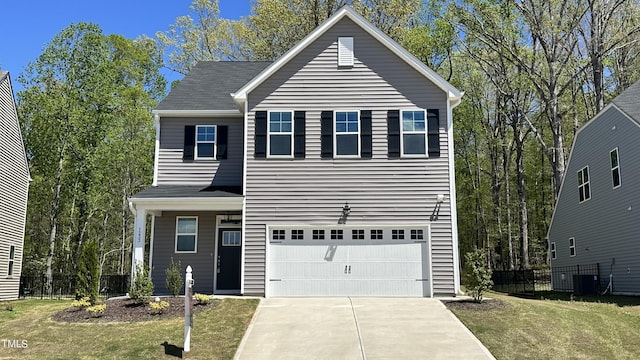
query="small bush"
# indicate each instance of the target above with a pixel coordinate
(202, 299)
(142, 288)
(159, 307)
(81, 303)
(96, 310)
(174, 277)
(88, 273)
(476, 274)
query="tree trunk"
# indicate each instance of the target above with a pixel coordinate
(54, 219)
(522, 196)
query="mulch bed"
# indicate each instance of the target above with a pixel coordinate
(128, 311)
(485, 305)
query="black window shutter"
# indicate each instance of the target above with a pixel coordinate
(189, 142)
(365, 134)
(222, 141)
(299, 134)
(261, 135)
(433, 132)
(393, 133)
(326, 134)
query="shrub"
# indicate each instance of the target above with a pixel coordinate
(88, 273)
(202, 299)
(142, 288)
(81, 303)
(159, 307)
(174, 277)
(97, 310)
(476, 274)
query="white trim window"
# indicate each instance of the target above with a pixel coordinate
(414, 133)
(346, 133)
(186, 234)
(280, 134)
(12, 254)
(206, 141)
(553, 250)
(615, 168)
(584, 188)
(572, 247)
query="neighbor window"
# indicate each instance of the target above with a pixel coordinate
(297, 234)
(347, 133)
(12, 254)
(553, 251)
(414, 133)
(205, 141)
(318, 234)
(615, 168)
(584, 189)
(231, 238)
(186, 234)
(376, 234)
(572, 247)
(280, 132)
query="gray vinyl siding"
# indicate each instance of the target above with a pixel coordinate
(202, 262)
(14, 183)
(172, 170)
(607, 226)
(379, 190)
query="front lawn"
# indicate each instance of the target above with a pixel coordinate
(558, 327)
(216, 333)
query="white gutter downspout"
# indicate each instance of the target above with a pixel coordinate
(452, 192)
(244, 197)
(156, 124)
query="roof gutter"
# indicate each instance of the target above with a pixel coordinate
(196, 113)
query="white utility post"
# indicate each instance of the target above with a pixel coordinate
(188, 309)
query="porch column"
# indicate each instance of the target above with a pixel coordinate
(139, 229)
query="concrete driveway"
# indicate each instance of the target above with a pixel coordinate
(357, 328)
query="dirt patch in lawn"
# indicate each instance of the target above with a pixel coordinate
(485, 305)
(128, 311)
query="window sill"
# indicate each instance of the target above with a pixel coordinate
(186, 252)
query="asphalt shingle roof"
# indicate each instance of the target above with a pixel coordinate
(184, 191)
(209, 84)
(629, 101)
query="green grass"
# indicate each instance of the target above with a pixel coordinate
(216, 333)
(559, 327)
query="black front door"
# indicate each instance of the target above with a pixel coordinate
(229, 257)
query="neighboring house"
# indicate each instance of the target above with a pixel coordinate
(596, 219)
(328, 172)
(14, 187)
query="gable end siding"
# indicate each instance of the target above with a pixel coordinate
(379, 190)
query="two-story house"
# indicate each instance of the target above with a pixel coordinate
(328, 172)
(594, 220)
(14, 189)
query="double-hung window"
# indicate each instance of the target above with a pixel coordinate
(280, 133)
(347, 133)
(615, 168)
(12, 254)
(584, 188)
(553, 251)
(572, 247)
(205, 142)
(414, 133)
(186, 234)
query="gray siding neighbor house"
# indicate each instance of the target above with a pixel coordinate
(328, 172)
(14, 188)
(596, 219)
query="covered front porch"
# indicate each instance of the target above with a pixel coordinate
(200, 227)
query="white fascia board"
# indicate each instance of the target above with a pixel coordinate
(188, 204)
(240, 96)
(196, 113)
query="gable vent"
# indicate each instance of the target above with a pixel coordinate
(345, 51)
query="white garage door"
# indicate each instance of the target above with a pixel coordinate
(349, 261)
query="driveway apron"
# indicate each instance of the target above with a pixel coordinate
(357, 328)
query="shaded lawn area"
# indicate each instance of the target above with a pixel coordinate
(558, 326)
(216, 333)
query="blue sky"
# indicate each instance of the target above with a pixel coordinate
(27, 26)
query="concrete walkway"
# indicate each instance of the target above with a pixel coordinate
(357, 328)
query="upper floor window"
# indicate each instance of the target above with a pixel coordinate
(584, 189)
(615, 168)
(414, 133)
(12, 254)
(347, 133)
(572, 247)
(205, 141)
(280, 133)
(186, 234)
